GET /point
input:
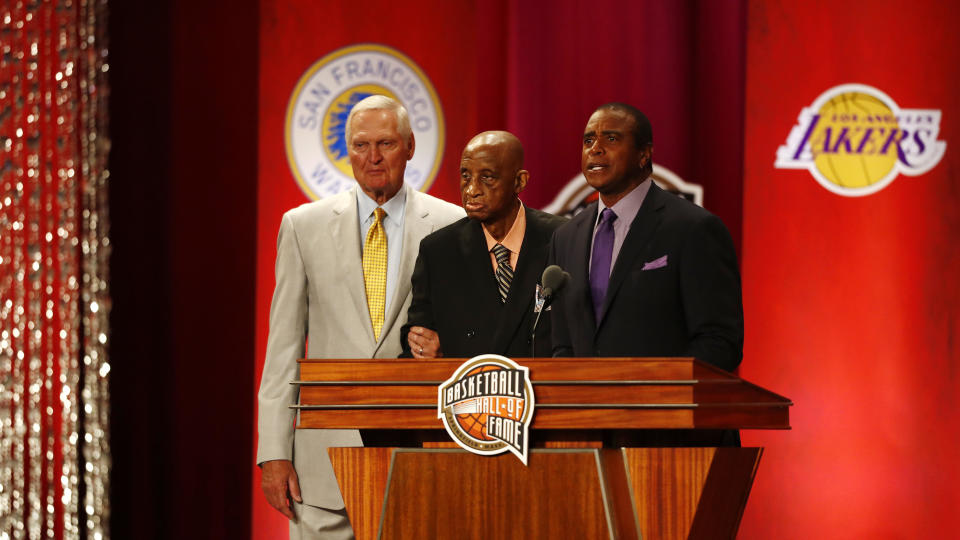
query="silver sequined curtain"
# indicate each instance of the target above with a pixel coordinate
(54, 250)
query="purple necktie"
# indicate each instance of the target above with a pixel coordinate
(600, 264)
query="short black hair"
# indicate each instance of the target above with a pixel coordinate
(642, 130)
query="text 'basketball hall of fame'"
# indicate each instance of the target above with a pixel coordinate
(487, 405)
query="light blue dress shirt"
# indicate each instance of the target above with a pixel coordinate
(626, 209)
(393, 226)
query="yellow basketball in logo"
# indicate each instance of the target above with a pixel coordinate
(854, 143)
(855, 140)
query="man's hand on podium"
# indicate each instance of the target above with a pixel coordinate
(424, 342)
(280, 483)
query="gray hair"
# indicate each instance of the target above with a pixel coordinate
(383, 103)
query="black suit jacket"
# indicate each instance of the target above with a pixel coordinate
(689, 306)
(455, 291)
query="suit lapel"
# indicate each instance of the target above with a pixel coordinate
(523, 287)
(580, 264)
(345, 230)
(642, 229)
(479, 270)
(415, 227)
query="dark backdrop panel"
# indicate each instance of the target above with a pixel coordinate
(183, 209)
(141, 418)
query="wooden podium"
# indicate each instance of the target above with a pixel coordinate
(416, 483)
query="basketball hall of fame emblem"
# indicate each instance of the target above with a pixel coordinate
(577, 193)
(315, 127)
(855, 140)
(487, 406)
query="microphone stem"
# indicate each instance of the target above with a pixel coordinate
(536, 321)
(533, 336)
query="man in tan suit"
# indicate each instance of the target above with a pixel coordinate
(343, 286)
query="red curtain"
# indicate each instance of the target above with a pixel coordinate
(536, 72)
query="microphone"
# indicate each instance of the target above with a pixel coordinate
(552, 281)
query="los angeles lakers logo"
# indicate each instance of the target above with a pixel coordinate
(855, 140)
(487, 406)
(315, 129)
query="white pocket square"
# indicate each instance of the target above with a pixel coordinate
(656, 263)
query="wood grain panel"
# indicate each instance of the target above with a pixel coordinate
(362, 475)
(380, 369)
(368, 395)
(725, 493)
(561, 369)
(543, 419)
(376, 395)
(454, 494)
(666, 485)
(733, 391)
(718, 418)
(371, 419)
(717, 400)
(583, 369)
(743, 417)
(566, 438)
(631, 393)
(612, 418)
(623, 516)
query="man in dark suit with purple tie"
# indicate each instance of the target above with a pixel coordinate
(651, 273)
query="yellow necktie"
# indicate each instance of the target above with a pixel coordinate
(375, 271)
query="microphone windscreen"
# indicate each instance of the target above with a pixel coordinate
(553, 279)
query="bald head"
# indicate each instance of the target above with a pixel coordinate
(506, 144)
(491, 177)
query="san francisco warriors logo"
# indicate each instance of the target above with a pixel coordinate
(487, 406)
(315, 129)
(855, 140)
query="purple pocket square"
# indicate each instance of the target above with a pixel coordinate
(656, 263)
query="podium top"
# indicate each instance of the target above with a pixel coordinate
(571, 393)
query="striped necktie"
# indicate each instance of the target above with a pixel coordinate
(375, 271)
(504, 272)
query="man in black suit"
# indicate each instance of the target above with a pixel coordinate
(651, 273)
(475, 284)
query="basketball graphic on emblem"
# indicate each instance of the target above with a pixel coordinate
(475, 424)
(855, 143)
(487, 405)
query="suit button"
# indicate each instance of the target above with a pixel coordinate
(471, 333)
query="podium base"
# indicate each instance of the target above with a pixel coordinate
(563, 493)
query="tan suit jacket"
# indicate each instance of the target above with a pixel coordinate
(320, 295)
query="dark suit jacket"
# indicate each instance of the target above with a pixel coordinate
(689, 306)
(455, 291)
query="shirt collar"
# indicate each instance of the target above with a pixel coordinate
(514, 237)
(626, 208)
(393, 207)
